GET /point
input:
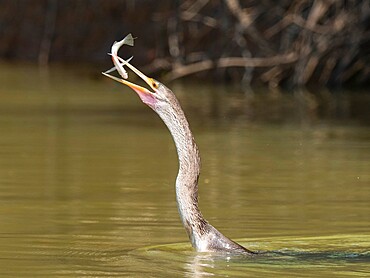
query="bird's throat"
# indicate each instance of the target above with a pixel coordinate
(189, 169)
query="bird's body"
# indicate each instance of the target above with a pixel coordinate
(203, 236)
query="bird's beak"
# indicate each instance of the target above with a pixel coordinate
(141, 91)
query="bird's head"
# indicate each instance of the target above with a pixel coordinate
(157, 97)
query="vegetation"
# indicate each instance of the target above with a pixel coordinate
(277, 43)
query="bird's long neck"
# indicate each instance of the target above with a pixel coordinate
(187, 178)
(204, 237)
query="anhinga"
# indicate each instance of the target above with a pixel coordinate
(204, 237)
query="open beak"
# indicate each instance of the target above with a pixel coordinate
(141, 91)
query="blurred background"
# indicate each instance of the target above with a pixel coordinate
(274, 43)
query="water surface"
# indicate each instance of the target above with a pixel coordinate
(87, 174)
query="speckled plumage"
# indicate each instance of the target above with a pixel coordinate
(203, 236)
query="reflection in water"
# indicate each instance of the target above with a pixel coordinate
(87, 175)
(322, 256)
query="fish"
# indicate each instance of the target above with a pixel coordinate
(118, 62)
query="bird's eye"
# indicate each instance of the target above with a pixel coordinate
(155, 85)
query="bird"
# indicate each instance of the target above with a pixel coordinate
(203, 236)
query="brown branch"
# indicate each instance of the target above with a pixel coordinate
(328, 69)
(243, 17)
(192, 13)
(246, 21)
(182, 71)
(194, 9)
(309, 69)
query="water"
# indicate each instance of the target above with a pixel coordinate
(87, 174)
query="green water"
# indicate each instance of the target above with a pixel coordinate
(87, 174)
